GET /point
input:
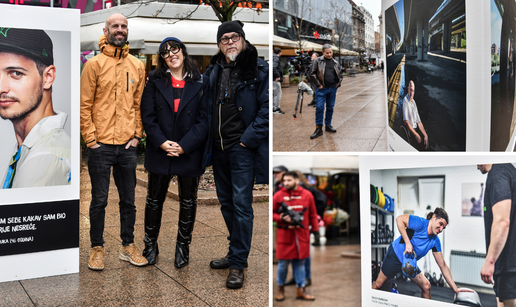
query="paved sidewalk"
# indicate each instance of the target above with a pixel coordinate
(122, 284)
(359, 116)
(335, 279)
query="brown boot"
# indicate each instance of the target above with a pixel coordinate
(302, 295)
(281, 293)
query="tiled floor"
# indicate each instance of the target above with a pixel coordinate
(335, 279)
(121, 284)
(359, 117)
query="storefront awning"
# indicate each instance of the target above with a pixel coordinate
(199, 36)
(278, 41)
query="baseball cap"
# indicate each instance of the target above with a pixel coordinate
(35, 44)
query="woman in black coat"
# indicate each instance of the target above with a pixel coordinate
(174, 114)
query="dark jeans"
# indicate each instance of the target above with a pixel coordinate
(233, 170)
(123, 161)
(324, 95)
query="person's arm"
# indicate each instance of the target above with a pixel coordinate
(425, 136)
(88, 89)
(313, 74)
(312, 214)
(258, 130)
(155, 136)
(196, 136)
(413, 131)
(137, 97)
(445, 270)
(402, 222)
(499, 233)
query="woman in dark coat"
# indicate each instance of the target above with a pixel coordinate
(174, 114)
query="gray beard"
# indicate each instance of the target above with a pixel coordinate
(232, 57)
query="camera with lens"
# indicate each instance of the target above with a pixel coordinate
(301, 62)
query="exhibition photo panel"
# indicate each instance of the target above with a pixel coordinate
(425, 49)
(439, 204)
(39, 162)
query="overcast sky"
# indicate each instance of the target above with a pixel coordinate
(374, 7)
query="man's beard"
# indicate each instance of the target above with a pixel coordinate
(233, 55)
(113, 41)
(34, 103)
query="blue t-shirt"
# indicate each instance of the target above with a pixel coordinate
(420, 240)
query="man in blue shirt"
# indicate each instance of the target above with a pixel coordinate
(419, 235)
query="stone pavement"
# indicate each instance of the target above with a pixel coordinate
(335, 279)
(122, 284)
(359, 116)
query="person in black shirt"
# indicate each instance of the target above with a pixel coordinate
(499, 214)
(325, 75)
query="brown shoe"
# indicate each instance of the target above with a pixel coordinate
(130, 253)
(96, 258)
(281, 294)
(302, 295)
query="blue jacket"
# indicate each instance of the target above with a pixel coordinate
(189, 129)
(252, 99)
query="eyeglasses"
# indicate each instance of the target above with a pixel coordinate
(225, 39)
(165, 53)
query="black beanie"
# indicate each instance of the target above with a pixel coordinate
(230, 26)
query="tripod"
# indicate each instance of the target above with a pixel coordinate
(301, 90)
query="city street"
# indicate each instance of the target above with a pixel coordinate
(122, 284)
(360, 117)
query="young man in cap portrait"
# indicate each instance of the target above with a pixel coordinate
(41, 156)
(239, 96)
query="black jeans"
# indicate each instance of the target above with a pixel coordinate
(123, 161)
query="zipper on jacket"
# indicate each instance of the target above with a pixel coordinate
(127, 81)
(220, 124)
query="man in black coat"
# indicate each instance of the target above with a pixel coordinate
(239, 101)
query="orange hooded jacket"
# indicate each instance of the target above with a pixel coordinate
(111, 90)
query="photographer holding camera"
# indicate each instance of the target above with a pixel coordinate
(293, 242)
(325, 74)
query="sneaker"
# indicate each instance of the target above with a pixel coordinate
(278, 111)
(130, 253)
(96, 259)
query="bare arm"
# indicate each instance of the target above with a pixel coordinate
(412, 131)
(425, 136)
(499, 233)
(445, 270)
(402, 223)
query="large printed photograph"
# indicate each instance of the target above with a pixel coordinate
(422, 203)
(35, 105)
(503, 79)
(425, 46)
(39, 156)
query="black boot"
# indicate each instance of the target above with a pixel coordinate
(156, 192)
(187, 188)
(318, 132)
(153, 212)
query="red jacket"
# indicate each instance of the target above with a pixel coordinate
(294, 243)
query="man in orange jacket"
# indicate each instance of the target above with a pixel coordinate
(293, 242)
(111, 89)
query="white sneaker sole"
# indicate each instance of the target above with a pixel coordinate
(95, 268)
(129, 259)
